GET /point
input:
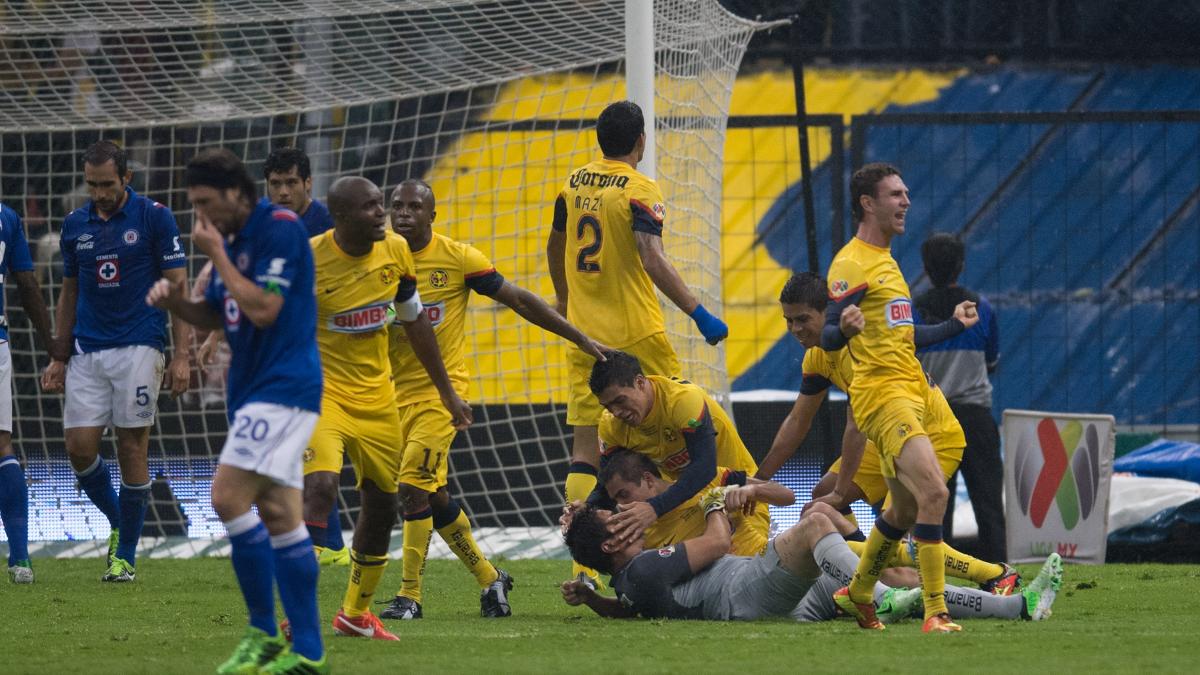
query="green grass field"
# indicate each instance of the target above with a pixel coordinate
(185, 616)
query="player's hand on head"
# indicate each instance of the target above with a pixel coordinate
(54, 377)
(966, 313)
(631, 522)
(712, 328)
(568, 515)
(460, 412)
(595, 349)
(852, 321)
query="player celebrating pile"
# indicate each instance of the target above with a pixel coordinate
(262, 294)
(870, 314)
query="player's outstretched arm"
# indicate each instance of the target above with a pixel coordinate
(35, 307)
(791, 433)
(536, 311)
(667, 279)
(424, 343)
(575, 592)
(172, 296)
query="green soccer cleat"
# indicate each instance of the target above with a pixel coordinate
(340, 557)
(119, 571)
(113, 537)
(898, 603)
(1039, 595)
(21, 573)
(256, 650)
(291, 663)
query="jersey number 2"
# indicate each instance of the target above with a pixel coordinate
(586, 260)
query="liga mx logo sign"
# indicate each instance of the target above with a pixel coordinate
(1057, 471)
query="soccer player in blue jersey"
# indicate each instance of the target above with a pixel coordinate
(14, 497)
(262, 293)
(115, 247)
(289, 184)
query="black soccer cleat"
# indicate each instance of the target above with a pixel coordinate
(493, 600)
(403, 608)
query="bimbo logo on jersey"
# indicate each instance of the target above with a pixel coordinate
(1062, 469)
(899, 313)
(362, 319)
(436, 312)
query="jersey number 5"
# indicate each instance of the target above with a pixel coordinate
(586, 260)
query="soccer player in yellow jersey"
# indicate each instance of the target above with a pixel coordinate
(364, 278)
(804, 301)
(870, 314)
(605, 253)
(447, 271)
(673, 422)
(629, 477)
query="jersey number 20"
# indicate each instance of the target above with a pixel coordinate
(586, 260)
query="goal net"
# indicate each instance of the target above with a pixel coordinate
(491, 102)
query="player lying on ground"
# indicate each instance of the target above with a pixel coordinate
(803, 301)
(262, 294)
(447, 272)
(698, 579)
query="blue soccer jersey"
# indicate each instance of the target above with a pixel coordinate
(278, 364)
(316, 218)
(116, 261)
(14, 256)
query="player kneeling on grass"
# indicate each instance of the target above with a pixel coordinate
(262, 293)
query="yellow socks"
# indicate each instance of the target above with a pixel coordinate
(873, 559)
(365, 573)
(457, 534)
(931, 565)
(418, 528)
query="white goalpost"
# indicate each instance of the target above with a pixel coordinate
(492, 103)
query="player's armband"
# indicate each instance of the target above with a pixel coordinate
(812, 384)
(408, 310)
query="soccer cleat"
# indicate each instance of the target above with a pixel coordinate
(340, 557)
(1040, 594)
(366, 625)
(493, 600)
(864, 613)
(119, 571)
(402, 608)
(940, 623)
(291, 663)
(1007, 583)
(256, 649)
(21, 573)
(898, 603)
(113, 537)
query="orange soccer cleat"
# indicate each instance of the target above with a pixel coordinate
(864, 613)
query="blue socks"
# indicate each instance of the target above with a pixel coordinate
(254, 565)
(133, 501)
(14, 509)
(97, 485)
(296, 575)
(333, 531)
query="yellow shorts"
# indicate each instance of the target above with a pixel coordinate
(889, 425)
(654, 352)
(370, 436)
(428, 432)
(869, 477)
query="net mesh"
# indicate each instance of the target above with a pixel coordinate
(491, 102)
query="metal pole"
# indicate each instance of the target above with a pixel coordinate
(810, 217)
(639, 71)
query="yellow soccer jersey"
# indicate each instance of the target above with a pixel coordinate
(822, 368)
(610, 296)
(355, 297)
(447, 271)
(686, 521)
(679, 405)
(884, 356)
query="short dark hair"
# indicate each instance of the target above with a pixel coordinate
(585, 539)
(221, 169)
(102, 152)
(618, 128)
(417, 182)
(943, 254)
(806, 289)
(865, 182)
(281, 160)
(627, 464)
(620, 368)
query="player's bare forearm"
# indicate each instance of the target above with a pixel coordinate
(424, 343)
(197, 313)
(538, 312)
(609, 608)
(791, 433)
(714, 543)
(663, 274)
(556, 247)
(770, 492)
(854, 444)
(64, 319)
(257, 303)
(181, 330)
(35, 307)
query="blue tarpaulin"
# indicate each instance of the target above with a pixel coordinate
(1163, 459)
